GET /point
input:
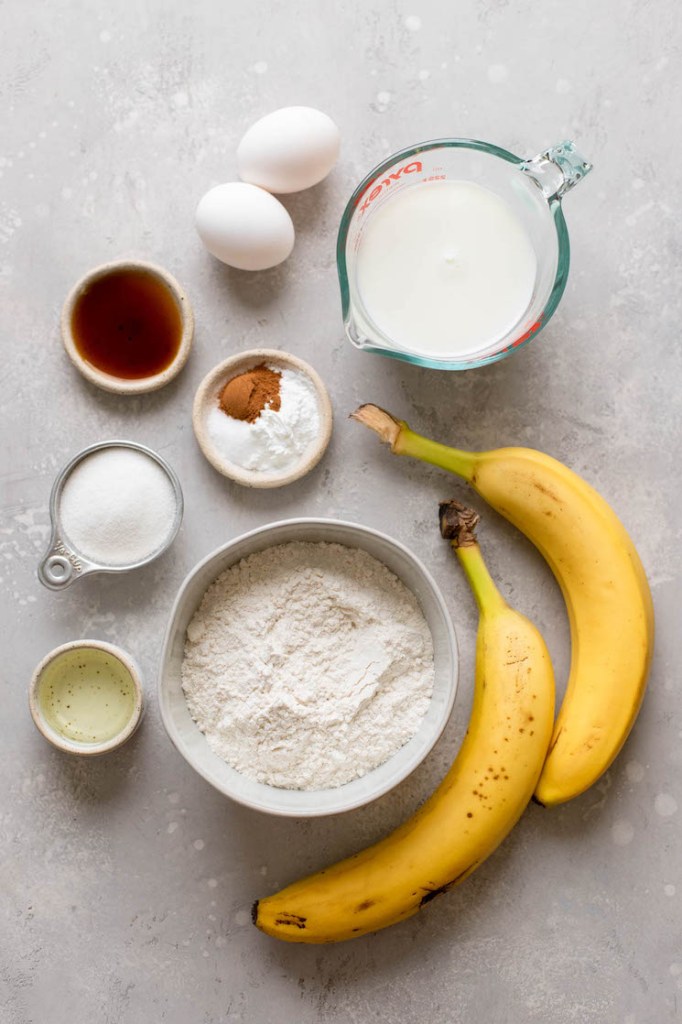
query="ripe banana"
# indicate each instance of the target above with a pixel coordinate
(477, 804)
(602, 580)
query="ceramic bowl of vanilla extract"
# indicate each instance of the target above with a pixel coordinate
(128, 327)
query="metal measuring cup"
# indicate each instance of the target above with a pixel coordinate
(62, 564)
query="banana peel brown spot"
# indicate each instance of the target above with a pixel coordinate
(365, 905)
(431, 894)
(291, 920)
(546, 491)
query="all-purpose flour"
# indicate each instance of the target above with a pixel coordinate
(308, 664)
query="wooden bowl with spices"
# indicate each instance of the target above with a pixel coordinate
(262, 418)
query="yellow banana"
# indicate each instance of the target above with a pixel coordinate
(479, 801)
(602, 580)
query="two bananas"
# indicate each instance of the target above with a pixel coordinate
(513, 749)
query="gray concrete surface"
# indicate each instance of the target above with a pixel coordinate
(126, 883)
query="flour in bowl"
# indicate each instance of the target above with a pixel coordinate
(307, 665)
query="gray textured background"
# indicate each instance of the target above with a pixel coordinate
(126, 883)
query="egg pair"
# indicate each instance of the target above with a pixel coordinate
(241, 223)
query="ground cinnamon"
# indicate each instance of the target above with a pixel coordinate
(245, 396)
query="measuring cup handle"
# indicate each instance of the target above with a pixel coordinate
(557, 169)
(59, 568)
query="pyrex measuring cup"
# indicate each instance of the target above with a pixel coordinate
(532, 189)
(62, 563)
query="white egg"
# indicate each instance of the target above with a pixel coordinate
(244, 226)
(289, 150)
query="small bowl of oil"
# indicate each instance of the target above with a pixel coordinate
(85, 697)
(128, 326)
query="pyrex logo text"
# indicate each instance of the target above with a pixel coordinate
(377, 186)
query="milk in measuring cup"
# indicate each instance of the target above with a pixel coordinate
(445, 268)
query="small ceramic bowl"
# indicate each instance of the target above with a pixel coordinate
(107, 381)
(86, 698)
(206, 399)
(193, 745)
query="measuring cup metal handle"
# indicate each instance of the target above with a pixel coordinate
(557, 169)
(60, 566)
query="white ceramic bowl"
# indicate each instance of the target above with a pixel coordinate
(71, 650)
(192, 743)
(122, 385)
(206, 398)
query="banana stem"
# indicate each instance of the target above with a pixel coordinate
(488, 597)
(404, 441)
(458, 525)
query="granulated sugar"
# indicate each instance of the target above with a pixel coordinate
(117, 506)
(307, 665)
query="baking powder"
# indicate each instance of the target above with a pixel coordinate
(276, 440)
(308, 664)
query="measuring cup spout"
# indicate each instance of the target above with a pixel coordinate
(557, 170)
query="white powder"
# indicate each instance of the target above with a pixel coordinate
(308, 664)
(117, 506)
(276, 440)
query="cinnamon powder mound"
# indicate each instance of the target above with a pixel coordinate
(246, 395)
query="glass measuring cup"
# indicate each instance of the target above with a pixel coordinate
(533, 189)
(62, 563)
